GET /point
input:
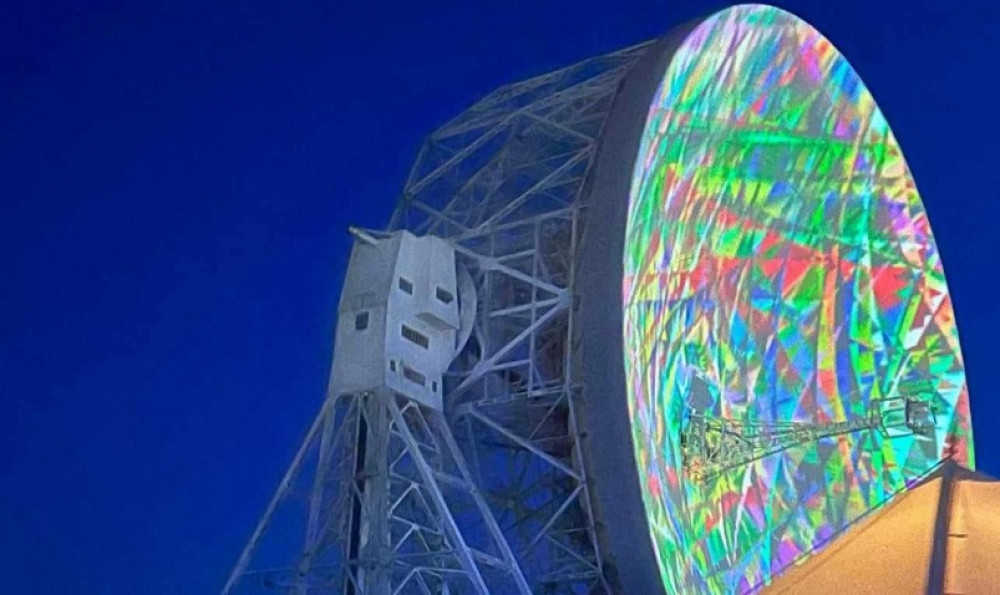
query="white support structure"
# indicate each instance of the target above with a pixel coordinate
(479, 484)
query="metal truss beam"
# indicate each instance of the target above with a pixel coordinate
(492, 494)
(527, 342)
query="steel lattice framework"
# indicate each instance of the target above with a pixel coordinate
(492, 495)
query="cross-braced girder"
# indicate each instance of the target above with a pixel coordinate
(493, 492)
(505, 182)
(404, 514)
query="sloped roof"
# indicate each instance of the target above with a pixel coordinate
(941, 536)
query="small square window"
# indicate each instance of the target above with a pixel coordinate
(361, 321)
(406, 286)
(392, 365)
(434, 386)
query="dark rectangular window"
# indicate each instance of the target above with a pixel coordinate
(361, 321)
(414, 336)
(444, 295)
(414, 376)
(405, 285)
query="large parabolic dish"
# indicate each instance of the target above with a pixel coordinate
(791, 353)
(712, 332)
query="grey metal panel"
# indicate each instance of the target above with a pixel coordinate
(623, 531)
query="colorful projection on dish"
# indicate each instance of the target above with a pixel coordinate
(791, 350)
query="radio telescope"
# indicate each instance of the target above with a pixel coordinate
(666, 320)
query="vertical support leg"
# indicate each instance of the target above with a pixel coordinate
(437, 497)
(374, 546)
(312, 539)
(279, 494)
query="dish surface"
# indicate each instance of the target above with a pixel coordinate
(791, 353)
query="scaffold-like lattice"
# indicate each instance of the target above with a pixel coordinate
(492, 494)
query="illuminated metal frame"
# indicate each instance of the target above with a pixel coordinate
(527, 481)
(504, 465)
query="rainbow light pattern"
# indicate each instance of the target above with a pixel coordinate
(778, 248)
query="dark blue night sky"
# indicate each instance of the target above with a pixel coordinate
(176, 179)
